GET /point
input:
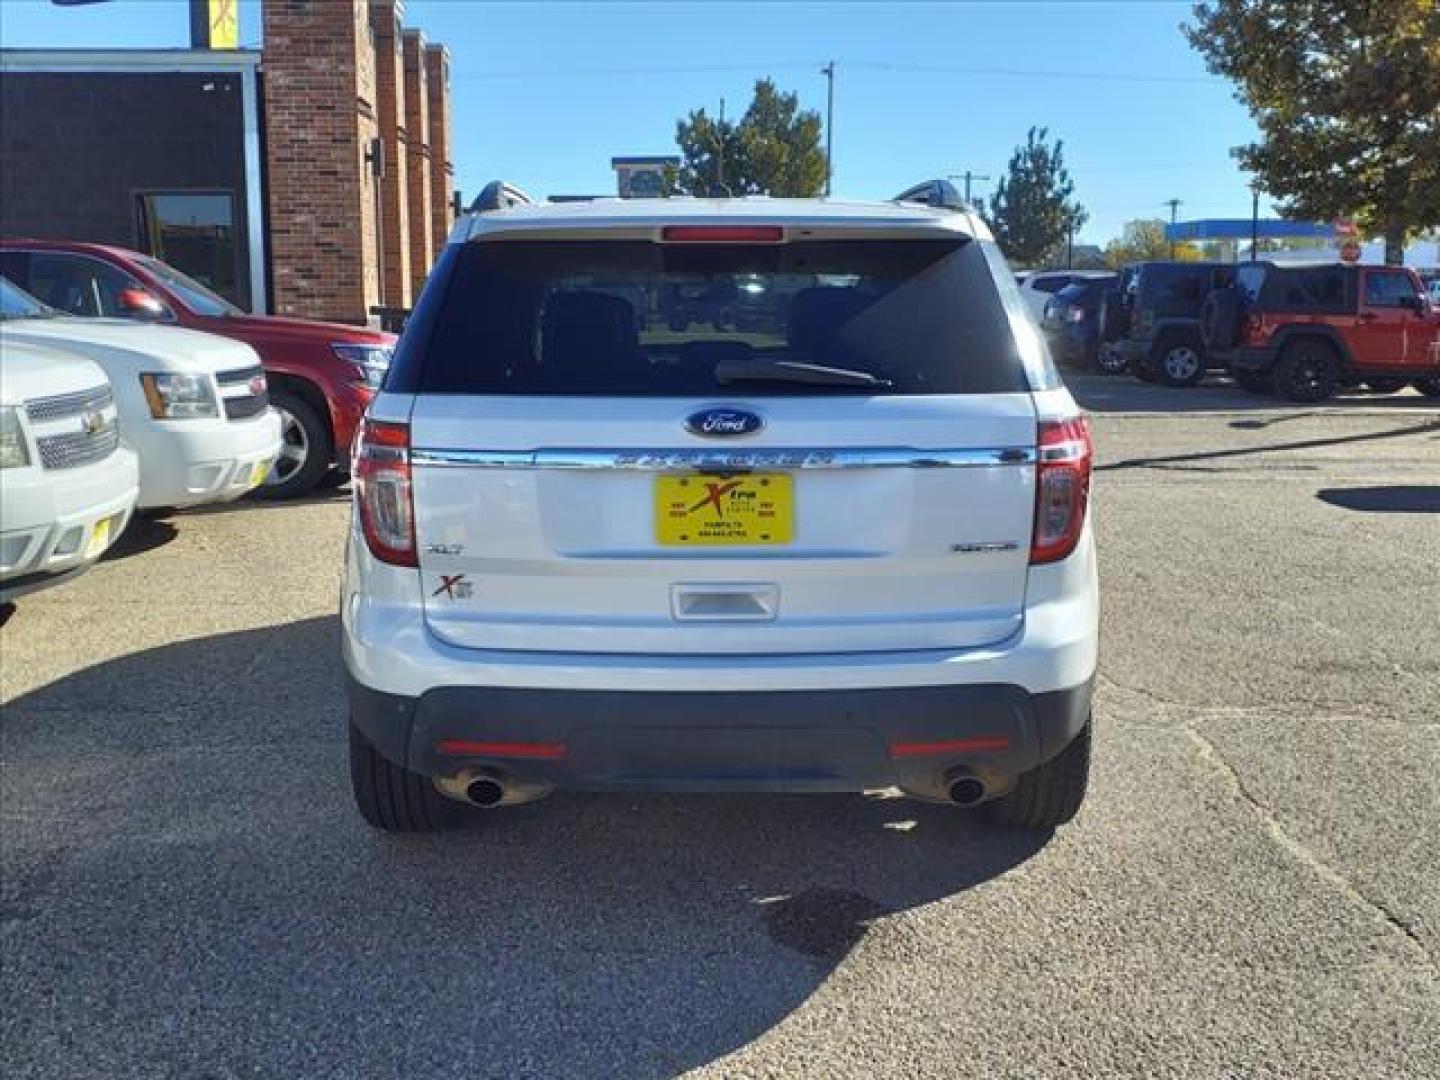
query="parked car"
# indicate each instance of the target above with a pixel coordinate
(846, 549)
(1161, 340)
(321, 375)
(67, 483)
(1303, 331)
(1039, 287)
(1072, 320)
(193, 406)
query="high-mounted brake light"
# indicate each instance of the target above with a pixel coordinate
(722, 234)
(384, 492)
(1062, 488)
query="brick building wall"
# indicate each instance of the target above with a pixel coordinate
(417, 159)
(442, 166)
(385, 17)
(319, 71)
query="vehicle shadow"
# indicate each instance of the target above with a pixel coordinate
(1400, 499)
(184, 848)
(144, 533)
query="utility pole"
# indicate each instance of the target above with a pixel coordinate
(1070, 246)
(1174, 205)
(829, 72)
(968, 176)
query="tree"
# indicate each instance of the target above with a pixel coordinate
(1031, 212)
(773, 150)
(1346, 94)
(1144, 241)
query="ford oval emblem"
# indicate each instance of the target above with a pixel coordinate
(723, 423)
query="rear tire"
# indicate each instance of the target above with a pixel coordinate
(1049, 795)
(306, 449)
(1307, 372)
(1428, 387)
(1388, 385)
(392, 798)
(1259, 383)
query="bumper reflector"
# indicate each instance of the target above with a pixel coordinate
(950, 746)
(470, 748)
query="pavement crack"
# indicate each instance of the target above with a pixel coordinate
(1302, 853)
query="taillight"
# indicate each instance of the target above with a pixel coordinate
(381, 470)
(1062, 488)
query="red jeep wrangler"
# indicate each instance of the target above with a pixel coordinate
(322, 375)
(1305, 331)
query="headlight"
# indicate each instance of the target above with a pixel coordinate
(13, 454)
(180, 397)
(1074, 314)
(371, 361)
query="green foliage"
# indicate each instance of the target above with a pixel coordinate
(1031, 212)
(1346, 94)
(773, 150)
(1144, 241)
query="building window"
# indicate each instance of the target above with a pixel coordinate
(195, 233)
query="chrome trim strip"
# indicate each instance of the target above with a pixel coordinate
(681, 460)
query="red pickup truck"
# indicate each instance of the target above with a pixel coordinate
(322, 375)
(1304, 331)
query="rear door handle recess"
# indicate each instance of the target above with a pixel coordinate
(717, 602)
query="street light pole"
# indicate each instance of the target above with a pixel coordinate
(1174, 205)
(1254, 222)
(829, 72)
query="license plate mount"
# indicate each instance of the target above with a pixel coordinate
(717, 509)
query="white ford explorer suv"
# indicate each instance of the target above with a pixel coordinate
(718, 495)
(67, 485)
(193, 406)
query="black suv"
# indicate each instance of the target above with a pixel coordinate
(1162, 303)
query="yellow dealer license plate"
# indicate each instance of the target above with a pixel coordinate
(258, 472)
(756, 508)
(99, 539)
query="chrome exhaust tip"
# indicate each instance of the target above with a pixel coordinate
(964, 789)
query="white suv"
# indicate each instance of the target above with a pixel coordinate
(67, 485)
(193, 406)
(830, 534)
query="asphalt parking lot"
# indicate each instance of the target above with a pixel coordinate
(1252, 889)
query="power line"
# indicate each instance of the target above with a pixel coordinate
(866, 65)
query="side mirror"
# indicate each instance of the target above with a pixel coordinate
(139, 304)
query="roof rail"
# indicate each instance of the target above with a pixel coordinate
(939, 193)
(498, 195)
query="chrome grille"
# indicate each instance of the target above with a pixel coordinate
(73, 404)
(76, 448)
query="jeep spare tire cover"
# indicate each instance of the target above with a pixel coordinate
(1220, 318)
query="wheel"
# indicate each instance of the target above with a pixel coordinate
(1178, 361)
(1384, 385)
(393, 798)
(1428, 387)
(305, 449)
(1307, 371)
(1259, 383)
(1049, 795)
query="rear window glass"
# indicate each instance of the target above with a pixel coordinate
(634, 318)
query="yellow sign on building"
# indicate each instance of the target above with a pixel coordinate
(224, 18)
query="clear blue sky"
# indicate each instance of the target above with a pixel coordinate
(546, 94)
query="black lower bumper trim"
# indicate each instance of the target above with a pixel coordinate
(785, 740)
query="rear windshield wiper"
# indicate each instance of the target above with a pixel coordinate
(793, 371)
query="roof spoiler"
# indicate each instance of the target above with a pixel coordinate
(939, 193)
(499, 195)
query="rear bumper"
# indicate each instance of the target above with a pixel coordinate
(790, 740)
